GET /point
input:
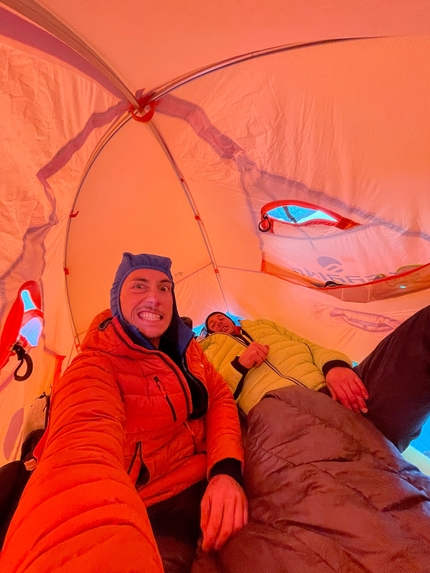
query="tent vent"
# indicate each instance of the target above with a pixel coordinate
(300, 214)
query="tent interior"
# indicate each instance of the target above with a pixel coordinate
(278, 152)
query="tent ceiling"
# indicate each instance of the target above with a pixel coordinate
(150, 44)
(342, 125)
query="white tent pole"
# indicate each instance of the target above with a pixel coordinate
(192, 203)
(161, 91)
(103, 141)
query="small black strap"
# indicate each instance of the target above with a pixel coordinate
(22, 357)
(247, 339)
(230, 467)
(103, 325)
(239, 387)
(333, 364)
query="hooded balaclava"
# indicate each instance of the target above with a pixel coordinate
(176, 338)
(178, 334)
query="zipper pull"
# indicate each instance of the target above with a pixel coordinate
(160, 386)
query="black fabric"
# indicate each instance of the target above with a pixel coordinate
(30, 442)
(334, 364)
(176, 526)
(230, 467)
(239, 367)
(244, 371)
(199, 394)
(247, 339)
(397, 377)
(13, 479)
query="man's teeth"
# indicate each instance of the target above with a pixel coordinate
(150, 316)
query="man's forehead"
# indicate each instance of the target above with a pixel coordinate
(148, 275)
(218, 315)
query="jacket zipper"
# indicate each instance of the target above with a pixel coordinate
(166, 397)
(198, 382)
(171, 365)
(186, 424)
(137, 449)
(269, 364)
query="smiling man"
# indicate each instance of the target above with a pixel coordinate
(150, 313)
(183, 401)
(390, 387)
(140, 399)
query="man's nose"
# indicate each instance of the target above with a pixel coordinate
(153, 295)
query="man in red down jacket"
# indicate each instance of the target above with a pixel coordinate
(140, 399)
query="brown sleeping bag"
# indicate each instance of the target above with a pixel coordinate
(327, 493)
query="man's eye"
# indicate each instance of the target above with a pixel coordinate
(165, 289)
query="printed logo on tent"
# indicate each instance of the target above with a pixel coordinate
(366, 321)
(330, 264)
(332, 272)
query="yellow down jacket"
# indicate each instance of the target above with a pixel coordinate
(291, 360)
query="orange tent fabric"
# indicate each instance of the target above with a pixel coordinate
(244, 105)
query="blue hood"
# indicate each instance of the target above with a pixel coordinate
(178, 333)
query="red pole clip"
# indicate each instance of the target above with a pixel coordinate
(145, 114)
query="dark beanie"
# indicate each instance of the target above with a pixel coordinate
(208, 330)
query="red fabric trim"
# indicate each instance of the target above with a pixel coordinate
(15, 319)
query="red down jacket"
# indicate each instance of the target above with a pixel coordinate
(118, 409)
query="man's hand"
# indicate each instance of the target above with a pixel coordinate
(347, 388)
(254, 355)
(224, 511)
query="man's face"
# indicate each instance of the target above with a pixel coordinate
(147, 302)
(220, 323)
